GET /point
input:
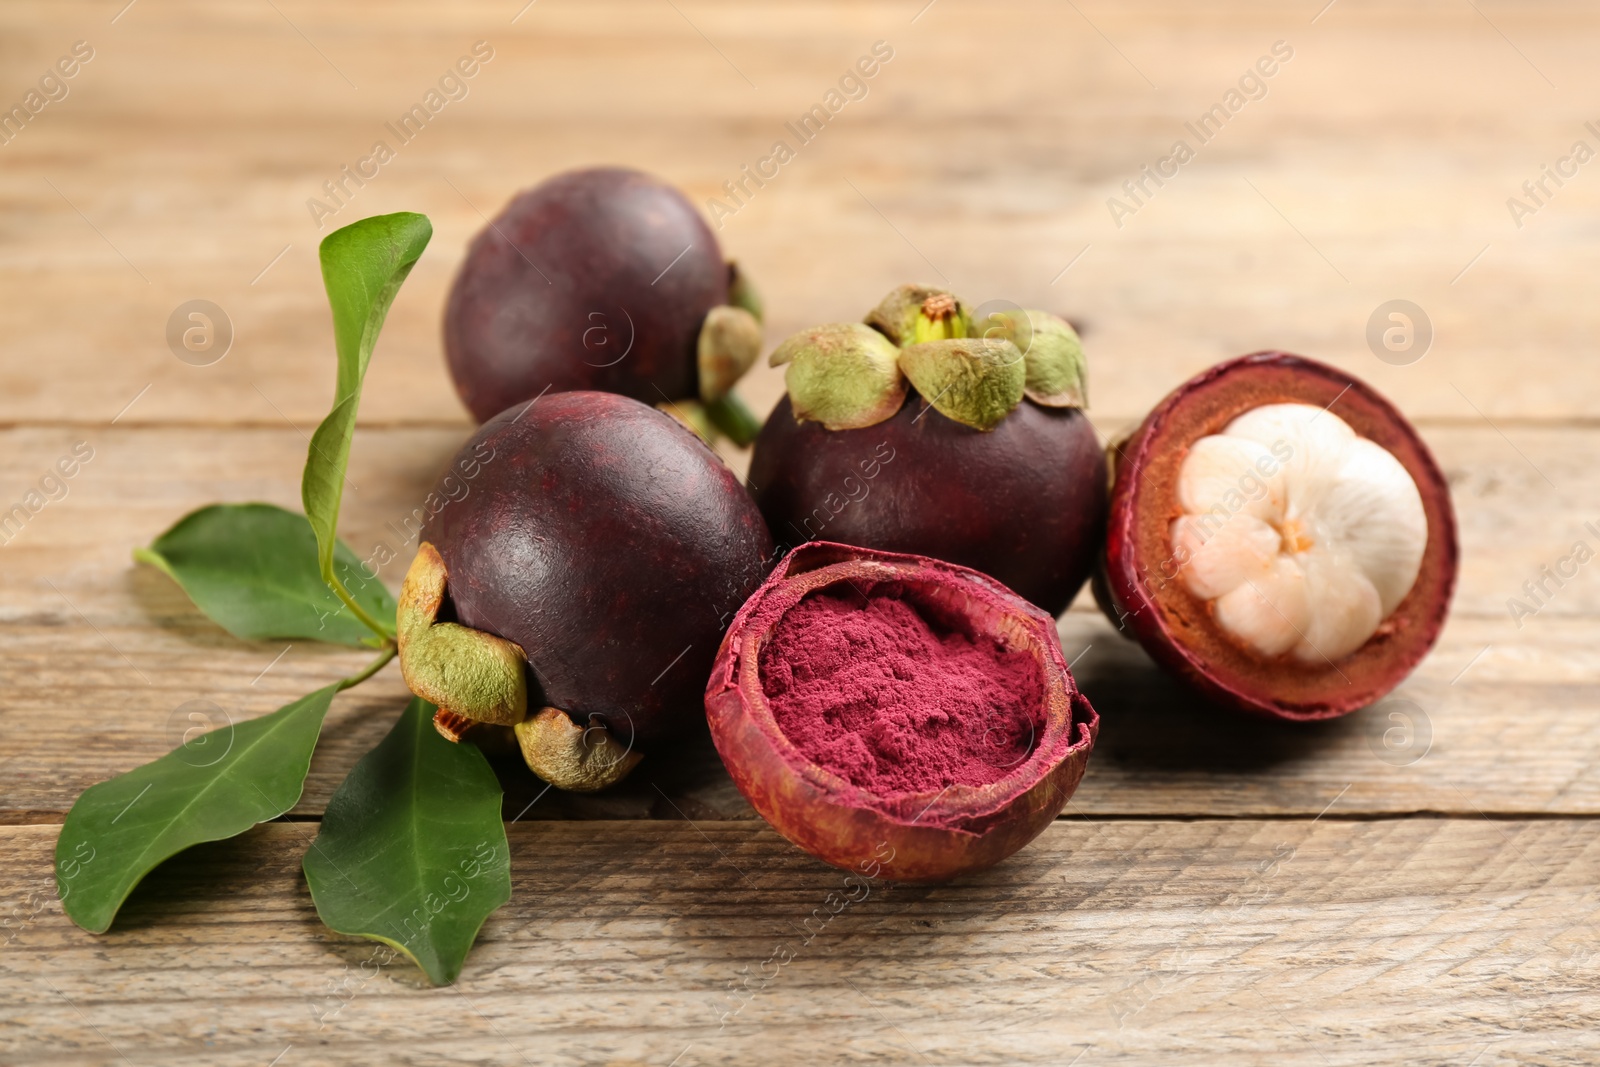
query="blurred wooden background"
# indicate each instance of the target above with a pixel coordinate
(1218, 891)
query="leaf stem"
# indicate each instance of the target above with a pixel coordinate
(356, 609)
(372, 668)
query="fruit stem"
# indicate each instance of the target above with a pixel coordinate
(728, 414)
(940, 318)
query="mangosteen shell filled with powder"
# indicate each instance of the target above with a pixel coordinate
(834, 703)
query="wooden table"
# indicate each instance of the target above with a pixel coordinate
(1219, 891)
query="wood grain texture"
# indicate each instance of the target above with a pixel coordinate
(1422, 941)
(1378, 165)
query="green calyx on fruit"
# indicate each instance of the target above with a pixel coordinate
(730, 341)
(579, 759)
(844, 375)
(976, 381)
(475, 677)
(467, 673)
(847, 376)
(742, 293)
(728, 345)
(1057, 373)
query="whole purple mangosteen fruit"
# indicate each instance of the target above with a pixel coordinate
(992, 465)
(587, 574)
(603, 279)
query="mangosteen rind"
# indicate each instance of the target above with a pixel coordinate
(692, 416)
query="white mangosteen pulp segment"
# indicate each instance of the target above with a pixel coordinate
(1303, 535)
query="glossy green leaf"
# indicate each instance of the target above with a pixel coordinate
(363, 265)
(412, 851)
(252, 568)
(214, 786)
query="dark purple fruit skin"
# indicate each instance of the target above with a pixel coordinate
(609, 543)
(569, 277)
(1024, 503)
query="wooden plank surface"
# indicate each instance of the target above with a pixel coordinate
(1219, 891)
(1422, 941)
(1381, 160)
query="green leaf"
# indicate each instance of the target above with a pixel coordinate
(412, 851)
(363, 265)
(213, 786)
(252, 568)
